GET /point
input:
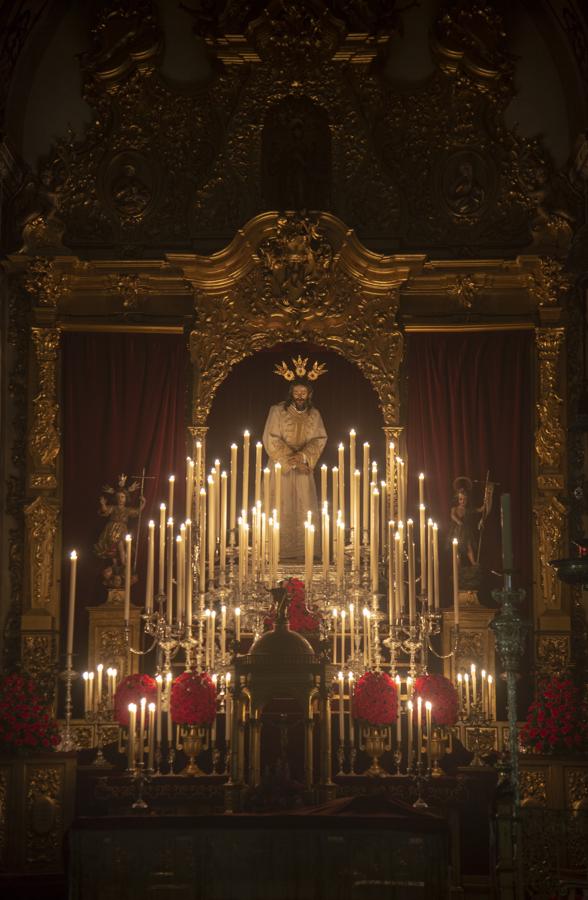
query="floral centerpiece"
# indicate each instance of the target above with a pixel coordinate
(375, 699)
(25, 723)
(442, 695)
(193, 699)
(557, 721)
(130, 690)
(300, 617)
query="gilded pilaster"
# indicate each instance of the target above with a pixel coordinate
(44, 435)
(549, 512)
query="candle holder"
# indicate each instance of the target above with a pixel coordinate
(139, 779)
(376, 740)
(419, 777)
(194, 739)
(68, 740)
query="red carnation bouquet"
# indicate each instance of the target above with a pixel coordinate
(300, 618)
(442, 695)
(131, 690)
(557, 721)
(25, 723)
(375, 699)
(193, 699)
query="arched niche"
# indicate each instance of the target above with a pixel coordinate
(296, 277)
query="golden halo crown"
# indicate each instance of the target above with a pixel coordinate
(301, 369)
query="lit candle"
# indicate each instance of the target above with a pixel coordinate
(460, 691)
(170, 570)
(491, 696)
(188, 586)
(423, 547)
(383, 530)
(341, 466)
(91, 690)
(159, 683)
(151, 742)
(267, 500)
(245, 500)
(278, 475)
(428, 713)
(212, 637)
(374, 538)
(141, 744)
(131, 739)
(398, 709)
(352, 629)
(351, 727)
(351, 479)
(366, 491)
(202, 541)
(391, 559)
(356, 519)
(483, 692)
(223, 527)
(170, 500)
(237, 623)
(211, 529)
(189, 486)
(455, 582)
(365, 637)
(258, 448)
(72, 604)
(435, 566)
(341, 709)
(168, 682)
(233, 501)
(466, 682)
(228, 709)
(86, 677)
(150, 567)
(99, 671)
(343, 656)
(335, 615)
(160, 579)
(128, 547)
(324, 472)
(474, 683)
(411, 573)
(419, 728)
(180, 570)
(409, 723)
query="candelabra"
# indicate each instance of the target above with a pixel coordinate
(68, 741)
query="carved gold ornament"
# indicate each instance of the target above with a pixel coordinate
(45, 440)
(301, 369)
(45, 282)
(553, 654)
(45, 824)
(533, 787)
(550, 435)
(550, 521)
(550, 283)
(41, 522)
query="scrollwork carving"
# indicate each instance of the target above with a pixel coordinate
(553, 654)
(465, 289)
(533, 787)
(41, 518)
(39, 660)
(577, 788)
(550, 283)
(550, 435)
(550, 519)
(45, 282)
(470, 648)
(44, 814)
(45, 440)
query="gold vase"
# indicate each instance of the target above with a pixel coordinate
(439, 746)
(375, 742)
(193, 742)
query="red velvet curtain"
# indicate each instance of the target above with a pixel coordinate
(470, 411)
(124, 401)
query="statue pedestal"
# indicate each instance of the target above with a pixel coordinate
(106, 643)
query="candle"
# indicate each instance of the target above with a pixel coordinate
(352, 629)
(419, 728)
(278, 475)
(170, 496)
(341, 709)
(245, 492)
(223, 632)
(212, 637)
(160, 580)
(198, 466)
(189, 486)
(365, 637)
(86, 677)
(233, 500)
(267, 500)
(131, 740)
(366, 491)
(411, 573)
(351, 477)
(430, 586)
(99, 671)
(455, 582)
(141, 743)
(159, 683)
(128, 546)
(460, 691)
(505, 521)
(335, 615)
(341, 466)
(150, 747)
(483, 692)
(211, 529)
(325, 544)
(391, 557)
(202, 541)
(168, 731)
(398, 709)
(409, 723)
(237, 623)
(170, 569)
(72, 604)
(383, 531)
(223, 527)
(466, 681)
(428, 713)
(91, 690)
(324, 472)
(180, 570)
(391, 476)
(356, 552)
(150, 567)
(474, 683)
(423, 548)
(188, 585)
(351, 728)
(258, 448)
(343, 656)
(374, 539)
(491, 696)
(228, 709)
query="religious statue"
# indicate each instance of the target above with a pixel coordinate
(467, 524)
(111, 543)
(294, 436)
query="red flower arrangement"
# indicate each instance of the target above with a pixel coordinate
(25, 723)
(300, 618)
(442, 695)
(193, 699)
(375, 699)
(557, 720)
(131, 690)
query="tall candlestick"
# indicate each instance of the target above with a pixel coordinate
(351, 484)
(159, 684)
(258, 449)
(474, 682)
(189, 486)
(421, 489)
(343, 655)
(411, 572)
(223, 637)
(391, 558)
(352, 629)
(335, 490)
(435, 566)
(228, 709)
(72, 604)
(391, 474)
(341, 708)
(383, 529)
(398, 709)
(430, 585)
(419, 728)
(366, 491)
(128, 554)
(455, 582)
(374, 524)
(466, 682)
(409, 724)
(233, 499)
(141, 742)
(170, 570)
(335, 615)
(223, 527)
(99, 671)
(351, 728)
(237, 623)
(324, 494)
(341, 467)
(211, 528)
(428, 714)
(188, 577)
(131, 738)
(161, 571)
(245, 486)
(423, 547)
(212, 637)
(150, 567)
(365, 637)
(180, 570)
(91, 690)
(202, 541)
(151, 741)
(491, 711)
(170, 500)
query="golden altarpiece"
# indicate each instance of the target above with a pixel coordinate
(109, 243)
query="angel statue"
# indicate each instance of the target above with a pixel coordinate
(111, 543)
(467, 525)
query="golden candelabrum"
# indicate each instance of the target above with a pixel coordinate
(193, 739)
(440, 743)
(375, 741)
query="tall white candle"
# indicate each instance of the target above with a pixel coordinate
(188, 584)
(150, 567)
(419, 728)
(237, 623)
(99, 671)
(223, 527)
(341, 467)
(128, 554)
(398, 710)
(351, 480)
(352, 629)
(351, 726)
(411, 572)
(233, 500)
(180, 570)
(423, 548)
(202, 541)
(131, 738)
(335, 616)
(170, 569)
(245, 486)
(455, 581)
(159, 683)
(343, 654)
(428, 713)
(435, 566)
(341, 708)
(258, 449)
(72, 604)
(324, 472)
(366, 491)
(223, 635)
(170, 501)
(189, 486)
(211, 528)
(161, 571)
(391, 560)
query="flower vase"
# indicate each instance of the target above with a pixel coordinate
(193, 742)
(439, 746)
(376, 740)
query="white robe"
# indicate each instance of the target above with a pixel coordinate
(289, 431)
